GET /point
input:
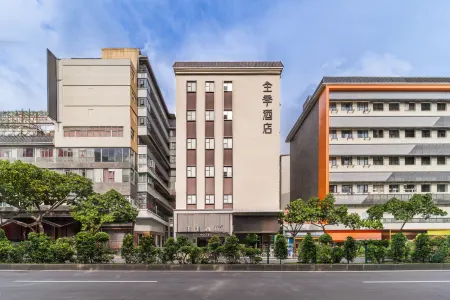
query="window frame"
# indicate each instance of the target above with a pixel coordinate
(442, 131)
(228, 143)
(191, 199)
(228, 199)
(365, 188)
(209, 115)
(362, 106)
(441, 103)
(191, 115)
(191, 86)
(422, 106)
(392, 131)
(333, 134)
(410, 130)
(439, 163)
(345, 186)
(376, 160)
(208, 144)
(424, 131)
(346, 160)
(440, 185)
(364, 132)
(413, 161)
(209, 86)
(394, 186)
(191, 144)
(364, 159)
(333, 106)
(208, 199)
(375, 190)
(347, 106)
(227, 86)
(191, 172)
(390, 108)
(346, 135)
(209, 172)
(422, 160)
(376, 108)
(425, 185)
(393, 159)
(227, 115)
(227, 172)
(376, 135)
(408, 106)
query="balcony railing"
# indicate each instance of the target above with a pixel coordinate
(374, 198)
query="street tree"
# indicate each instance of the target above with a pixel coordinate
(281, 247)
(405, 211)
(324, 212)
(38, 192)
(98, 209)
(296, 214)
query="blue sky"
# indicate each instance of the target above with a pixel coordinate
(313, 38)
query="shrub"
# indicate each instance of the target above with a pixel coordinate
(422, 249)
(281, 250)
(39, 248)
(440, 249)
(5, 251)
(258, 259)
(350, 249)
(398, 250)
(92, 248)
(215, 248)
(63, 250)
(251, 240)
(307, 250)
(252, 253)
(376, 252)
(170, 250)
(146, 250)
(325, 239)
(128, 251)
(337, 254)
(2, 235)
(439, 256)
(183, 254)
(18, 254)
(324, 252)
(232, 249)
(195, 254)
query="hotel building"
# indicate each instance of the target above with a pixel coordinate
(228, 151)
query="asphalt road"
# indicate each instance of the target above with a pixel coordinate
(112, 285)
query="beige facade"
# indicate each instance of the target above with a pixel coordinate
(253, 183)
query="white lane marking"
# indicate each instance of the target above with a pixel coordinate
(85, 281)
(410, 281)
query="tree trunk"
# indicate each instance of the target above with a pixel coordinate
(41, 227)
(403, 225)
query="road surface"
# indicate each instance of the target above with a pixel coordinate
(113, 285)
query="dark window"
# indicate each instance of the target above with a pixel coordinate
(426, 160)
(441, 188)
(28, 152)
(410, 133)
(442, 133)
(347, 189)
(362, 134)
(394, 161)
(410, 106)
(410, 160)
(425, 188)
(378, 107)
(333, 134)
(346, 134)
(378, 161)
(441, 106)
(394, 106)
(346, 160)
(98, 154)
(395, 133)
(426, 133)
(333, 188)
(393, 188)
(425, 106)
(333, 106)
(441, 160)
(362, 106)
(378, 133)
(142, 83)
(346, 106)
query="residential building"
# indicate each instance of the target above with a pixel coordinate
(368, 139)
(111, 125)
(228, 152)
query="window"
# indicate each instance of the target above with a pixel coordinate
(347, 106)
(425, 106)
(426, 133)
(209, 115)
(142, 83)
(425, 188)
(395, 133)
(191, 199)
(441, 106)
(362, 106)
(333, 161)
(209, 144)
(172, 145)
(228, 115)
(209, 172)
(191, 86)
(333, 188)
(90, 131)
(410, 133)
(5, 152)
(132, 134)
(228, 143)
(410, 106)
(394, 106)
(227, 86)
(378, 188)
(441, 188)
(410, 160)
(209, 86)
(409, 188)
(141, 102)
(173, 159)
(191, 172)
(191, 144)
(442, 133)
(333, 134)
(333, 106)
(362, 188)
(426, 160)
(46, 153)
(347, 189)
(227, 199)
(346, 160)
(209, 199)
(67, 152)
(190, 115)
(378, 107)
(172, 133)
(393, 188)
(394, 161)
(378, 133)
(346, 134)
(227, 172)
(378, 161)
(363, 160)
(441, 160)
(362, 134)
(27, 152)
(141, 121)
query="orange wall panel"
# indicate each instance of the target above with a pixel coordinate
(324, 120)
(341, 235)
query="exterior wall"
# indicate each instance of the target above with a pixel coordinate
(285, 181)
(254, 154)
(304, 161)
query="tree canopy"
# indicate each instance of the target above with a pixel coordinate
(98, 209)
(296, 215)
(418, 205)
(39, 192)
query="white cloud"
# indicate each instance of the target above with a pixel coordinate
(372, 64)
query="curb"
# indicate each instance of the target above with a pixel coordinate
(226, 267)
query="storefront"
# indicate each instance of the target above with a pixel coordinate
(200, 227)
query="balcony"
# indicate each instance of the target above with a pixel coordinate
(149, 188)
(374, 198)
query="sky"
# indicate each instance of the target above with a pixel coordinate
(313, 38)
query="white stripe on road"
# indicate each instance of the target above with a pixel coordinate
(410, 281)
(85, 281)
